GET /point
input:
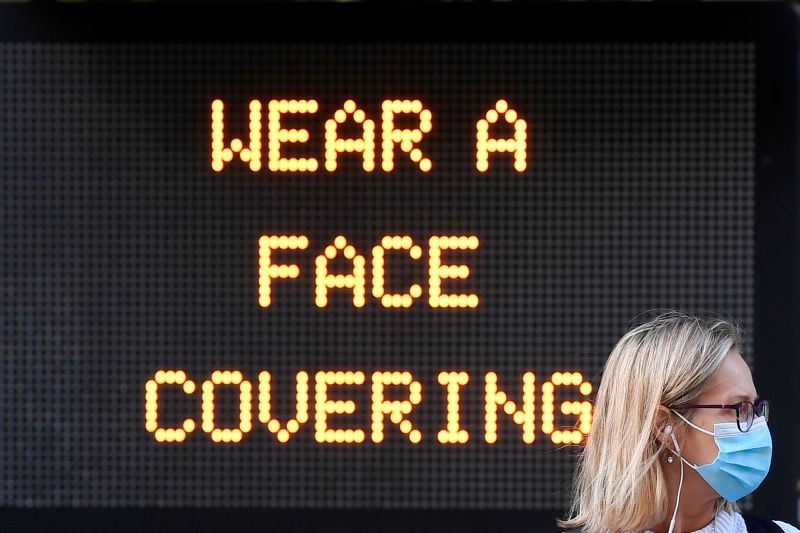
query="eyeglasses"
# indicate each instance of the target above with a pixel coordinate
(745, 411)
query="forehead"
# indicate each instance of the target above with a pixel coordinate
(732, 380)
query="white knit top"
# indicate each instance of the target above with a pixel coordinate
(729, 522)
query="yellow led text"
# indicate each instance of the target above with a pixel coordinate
(408, 139)
(516, 145)
(356, 278)
(399, 412)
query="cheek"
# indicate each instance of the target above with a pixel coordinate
(703, 449)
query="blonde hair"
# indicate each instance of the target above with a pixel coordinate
(619, 484)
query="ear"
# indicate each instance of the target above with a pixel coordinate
(663, 426)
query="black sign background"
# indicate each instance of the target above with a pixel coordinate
(124, 253)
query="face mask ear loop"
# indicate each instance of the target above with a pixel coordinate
(698, 428)
(677, 502)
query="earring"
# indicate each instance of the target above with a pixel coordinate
(670, 459)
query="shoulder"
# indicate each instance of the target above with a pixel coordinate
(788, 528)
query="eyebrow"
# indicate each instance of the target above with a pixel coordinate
(743, 397)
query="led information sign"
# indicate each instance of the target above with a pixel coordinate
(349, 274)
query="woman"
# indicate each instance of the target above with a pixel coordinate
(679, 433)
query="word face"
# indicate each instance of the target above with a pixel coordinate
(356, 280)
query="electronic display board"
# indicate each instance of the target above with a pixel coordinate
(285, 272)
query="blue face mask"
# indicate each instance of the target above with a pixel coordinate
(743, 460)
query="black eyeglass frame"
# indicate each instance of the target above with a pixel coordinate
(758, 408)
